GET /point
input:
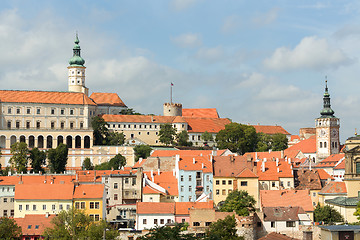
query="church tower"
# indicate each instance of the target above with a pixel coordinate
(327, 130)
(76, 68)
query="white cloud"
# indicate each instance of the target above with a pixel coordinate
(310, 53)
(266, 18)
(252, 80)
(188, 40)
(210, 55)
(231, 24)
(180, 5)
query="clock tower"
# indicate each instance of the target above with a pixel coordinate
(327, 130)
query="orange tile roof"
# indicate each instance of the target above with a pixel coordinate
(202, 163)
(331, 161)
(271, 170)
(109, 99)
(44, 191)
(263, 155)
(165, 180)
(45, 97)
(230, 166)
(182, 208)
(90, 175)
(270, 129)
(334, 188)
(150, 190)
(247, 173)
(308, 179)
(293, 137)
(324, 175)
(200, 112)
(142, 119)
(305, 146)
(211, 125)
(276, 236)
(341, 165)
(37, 222)
(171, 153)
(155, 208)
(36, 179)
(286, 198)
(89, 191)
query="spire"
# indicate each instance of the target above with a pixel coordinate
(326, 112)
(76, 60)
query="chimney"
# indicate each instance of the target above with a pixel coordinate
(152, 118)
(194, 161)
(282, 154)
(47, 215)
(140, 160)
(174, 172)
(269, 150)
(289, 160)
(255, 155)
(277, 162)
(263, 166)
(202, 165)
(264, 159)
(158, 171)
(278, 170)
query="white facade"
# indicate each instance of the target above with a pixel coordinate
(148, 221)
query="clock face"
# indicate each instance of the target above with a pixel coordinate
(334, 133)
(322, 133)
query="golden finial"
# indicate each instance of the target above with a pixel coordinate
(355, 132)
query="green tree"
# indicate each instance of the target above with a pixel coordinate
(264, 142)
(129, 111)
(115, 139)
(168, 233)
(237, 138)
(207, 137)
(38, 160)
(279, 142)
(240, 202)
(87, 165)
(58, 158)
(100, 130)
(75, 224)
(116, 162)
(167, 133)
(327, 214)
(142, 151)
(9, 229)
(19, 160)
(223, 230)
(183, 138)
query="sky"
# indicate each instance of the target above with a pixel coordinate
(256, 62)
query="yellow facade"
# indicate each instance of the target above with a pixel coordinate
(23, 207)
(91, 207)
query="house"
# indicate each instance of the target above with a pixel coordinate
(346, 206)
(332, 190)
(200, 112)
(305, 148)
(182, 209)
(154, 214)
(287, 198)
(285, 220)
(329, 163)
(91, 199)
(310, 180)
(160, 187)
(234, 173)
(34, 225)
(340, 232)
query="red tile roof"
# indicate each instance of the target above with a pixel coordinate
(165, 180)
(45, 97)
(334, 188)
(286, 198)
(202, 163)
(171, 153)
(323, 174)
(271, 170)
(305, 146)
(230, 166)
(37, 223)
(331, 161)
(263, 155)
(277, 236)
(142, 119)
(109, 99)
(89, 191)
(200, 112)
(308, 180)
(36, 179)
(211, 125)
(182, 208)
(282, 213)
(341, 165)
(293, 137)
(247, 173)
(44, 191)
(270, 129)
(155, 208)
(150, 190)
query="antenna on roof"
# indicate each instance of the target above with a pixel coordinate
(171, 85)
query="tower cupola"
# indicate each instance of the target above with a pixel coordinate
(76, 60)
(327, 112)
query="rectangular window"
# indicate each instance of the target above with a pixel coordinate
(81, 125)
(314, 194)
(71, 125)
(60, 207)
(38, 124)
(34, 207)
(181, 188)
(217, 191)
(133, 181)
(9, 110)
(18, 110)
(53, 207)
(5, 213)
(229, 182)
(190, 189)
(68, 207)
(97, 217)
(288, 183)
(224, 192)
(27, 124)
(144, 221)
(77, 205)
(97, 205)
(17, 124)
(272, 224)
(155, 221)
(82, 205)
(92, 205)
(9, 124)
(81, 111)
(62, 125)
(207, 178)
(115, 185)
(5, 200)
(12, 213)
(181, 178)
(71, 111)
(190, 178)
(243, 183)
(38, 111)
(27, 207)
(52, 111)
(115, 197)
(161, 221)
(273, 184)
(52, 125)
(281, 184)
(62, 111)
(20, 207)
(44, 207)
(126, 180)
(196, 224)
(223, 182)
(207, 224)
(290, 224)
(28, 110)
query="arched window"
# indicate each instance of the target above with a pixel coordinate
(31, 141)
(22, 138)
(60, 139)
(325, 145)
(69, 141)
(12, 140)
(77, 142)
(86, 142)
(49, 142)
(320, 144)
(2, 142)
(40, 142)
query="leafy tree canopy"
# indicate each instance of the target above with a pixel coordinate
(9, 229)
(183, 139)
(116, 162)
(168, 233)
(87, 165)
(58, 158)
(167, 133)
(327, 214)
(115, 139)
(19, 160)
(142, 151)
(279, 142)
(223, 230)
(207, 137)
(129, 111)
(75, 224)
(38, 160)
(237, 138)
(240, 202)
(100, 130)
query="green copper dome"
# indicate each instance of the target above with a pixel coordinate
(76, 60)
(327, 112)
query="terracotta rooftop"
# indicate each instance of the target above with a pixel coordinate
(202, 163)
(182, 208)
(334, 188)
(36, 179)
(324, 175)
(247, 173)
(211, 125)
(200, 112)
(45, 97)
(108, 99)
(282, 213)
(142, 119)
(273, 172)
(155, 208)
(230, 166)
(305, 146)
(171, 153)
(341, 165)
(308, 180)
(276, 236)
(262, 155)
(34, 224)
(331, 161)
(267, 129)
(87, 191)
(165, 180)
(286, 198)
(44, 191)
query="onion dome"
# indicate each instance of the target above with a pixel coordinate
(76, 60)
(327, 112)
